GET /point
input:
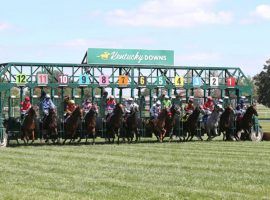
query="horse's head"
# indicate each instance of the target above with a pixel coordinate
(175, 110)
(198, 110)
(32, 111)
(218, 108)
(252, 110)
(77, 112)
(52, 111)
(134, 109)
(119, 108)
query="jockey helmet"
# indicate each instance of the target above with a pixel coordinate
(48, 96)
(158, 103)
(242, 97)
(111, 97)
(190, 101)
(226, 97)
(27, 99)
(166, 97)
(220, 101)
(130, 99)
(71, 101)
(87, 100)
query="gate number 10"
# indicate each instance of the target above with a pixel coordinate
(63, 79)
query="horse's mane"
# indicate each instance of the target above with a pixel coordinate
(31, 112)
(117, 109)
(163, 113)
(195, 114)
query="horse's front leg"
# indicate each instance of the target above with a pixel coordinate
(163, 133)
(33, 136)
(137, 135)
(118, 136)
(94, 136)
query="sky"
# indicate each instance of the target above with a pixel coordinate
(220, 33)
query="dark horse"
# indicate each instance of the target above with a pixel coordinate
(191, 125)
(72, 123)
(131, 124)
(13, 128)
(29, 125)
(158, 125)
(114, 122)
(227, 125)
(170, 120)
(244, 125)
(90, 122)
(50, 126)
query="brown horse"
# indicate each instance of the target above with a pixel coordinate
(226, 124)
(170, 120)
(90, 122)
(72, 123)
(114, 122)
(131, 124)
(50, 126)
(191, 125)
(158, 125)
(29, 125)
(244, 125)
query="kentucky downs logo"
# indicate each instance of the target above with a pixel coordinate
(137, 57)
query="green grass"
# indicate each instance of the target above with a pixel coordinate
(194, 170)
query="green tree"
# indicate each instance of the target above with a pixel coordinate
(262, 82)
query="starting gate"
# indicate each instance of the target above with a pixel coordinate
(143, 82)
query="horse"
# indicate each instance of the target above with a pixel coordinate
(213, 122)
(50, 124)
(226, 124)
(90, 122)
(245, 124)
(157, 125)
(191, 124)
(29, 125)
(72, 123)
(12, 126)
(131, 124)
(114, 122)
(170, 120)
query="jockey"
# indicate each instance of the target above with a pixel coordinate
(166, 103)
(189, 108)
(87, 105)
(240, 109)
(242, 103)
(65, 103)
(209, 104)
(130, 104)
(220, 104)
(208, 108)
(47, 104)
(155, 110)
(226, 101)
(25, 106)
(110, 105)
(70, 108)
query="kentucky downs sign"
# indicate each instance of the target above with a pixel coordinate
(130, 56)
